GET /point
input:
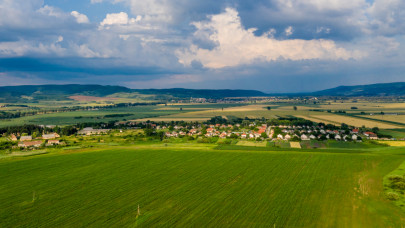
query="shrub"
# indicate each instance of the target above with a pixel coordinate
(225, 142)
(396, 178)
(392, 196)
(399, 185)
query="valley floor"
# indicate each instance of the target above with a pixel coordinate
(189, 185)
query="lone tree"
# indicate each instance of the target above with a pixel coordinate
(295, 108)
(268, 108)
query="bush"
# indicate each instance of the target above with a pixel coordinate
(204, 140)
(399, 185)
(392, 196)
(396, 178)
(225, 142)
(190, 138)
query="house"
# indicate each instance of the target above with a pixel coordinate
(304, 137)
(280, 136)
(338, 137)
(26, 138)
(53, 142)
(312, 137)
(368, 133)
(261, 130)
(26, 144)
(210, 130)
(355, 131)
(223, 135)
(354, 137)
(284, 131)
(13, 137)
(287, 137)
(373, 137)
(243, 136)
(51, 136)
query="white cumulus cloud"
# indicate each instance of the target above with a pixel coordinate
(80, 18)
(236, 45)
(119, 19)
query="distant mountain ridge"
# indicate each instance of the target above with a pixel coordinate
(381, 89)
(62, 92)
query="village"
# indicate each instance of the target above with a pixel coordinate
(248, 130)
(265, 132)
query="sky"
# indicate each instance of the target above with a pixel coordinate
(268, 45)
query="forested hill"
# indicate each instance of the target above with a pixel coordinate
(61, 92)
(383, 89)
(56, 92)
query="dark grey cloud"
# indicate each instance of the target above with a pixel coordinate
(44, 43)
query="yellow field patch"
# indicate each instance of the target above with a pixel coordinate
(252, 143)
(291, 108)
(364, 106)
(394, 143)
(184, 109)
(245, 108)
(352, 121)
(315, 119)
(392, 118)
(295, 145)
(168, 119)
(256, 111)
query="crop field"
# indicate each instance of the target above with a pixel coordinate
(295, 145)
(394, 143)
(160, 112)
(396, 133)
(197, 187)
(168, 119)
(252, 143)
(364, 106)
(315, 119)
(251, 111)
(357, 122)
(391, 118)
(64, 118)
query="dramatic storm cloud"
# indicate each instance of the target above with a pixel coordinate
(270, 45)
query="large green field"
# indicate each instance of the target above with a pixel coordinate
(180, 185)
(102, 115)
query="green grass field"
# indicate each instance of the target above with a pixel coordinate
(131, 113)
(198, 186)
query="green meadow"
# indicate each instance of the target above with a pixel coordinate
(199, 185)
(108, 114)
